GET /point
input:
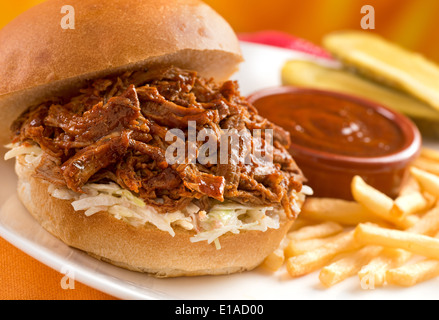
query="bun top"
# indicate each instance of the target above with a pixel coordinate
(40, 59)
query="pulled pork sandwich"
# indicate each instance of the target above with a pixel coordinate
(91, 110)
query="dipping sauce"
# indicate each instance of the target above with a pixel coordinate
(330, 124)
(335, 137)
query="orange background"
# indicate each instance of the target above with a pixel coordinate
(411, 23)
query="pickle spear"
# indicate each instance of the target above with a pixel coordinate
(313, 75)
(388, 63)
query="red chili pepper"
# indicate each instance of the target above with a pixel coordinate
(285, 40)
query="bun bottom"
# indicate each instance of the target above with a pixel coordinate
(146, 248)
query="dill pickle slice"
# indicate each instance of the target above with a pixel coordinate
(386, 62)
(313, 75)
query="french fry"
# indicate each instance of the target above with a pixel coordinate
(391, 258)
(301, 222)
(315, 231)
(430, 154)
(412, 274)
(408, 204)
(432, 200)
(378, 203)
(429, 182)
(428, 165)
(348, 266)
(274, 260)
(410, 186)
(316, 259)
(374, 250)
(295, 248)
(415, 243)
(428, 224)
(345, 212)
(375, 271)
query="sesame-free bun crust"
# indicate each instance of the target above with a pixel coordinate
(145, 249)
(39, 59)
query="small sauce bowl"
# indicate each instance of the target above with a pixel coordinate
(337, 136)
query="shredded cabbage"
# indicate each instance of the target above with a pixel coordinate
(16, 150)
(32, 153)
(124, 205)
(233, 217)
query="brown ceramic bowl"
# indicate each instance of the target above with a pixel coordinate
(328, 173)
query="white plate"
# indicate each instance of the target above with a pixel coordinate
(260, 70)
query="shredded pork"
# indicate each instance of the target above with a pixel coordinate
(114, 131)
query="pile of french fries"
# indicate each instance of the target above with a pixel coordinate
(381, 240)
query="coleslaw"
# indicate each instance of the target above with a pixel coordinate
(122, 204)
